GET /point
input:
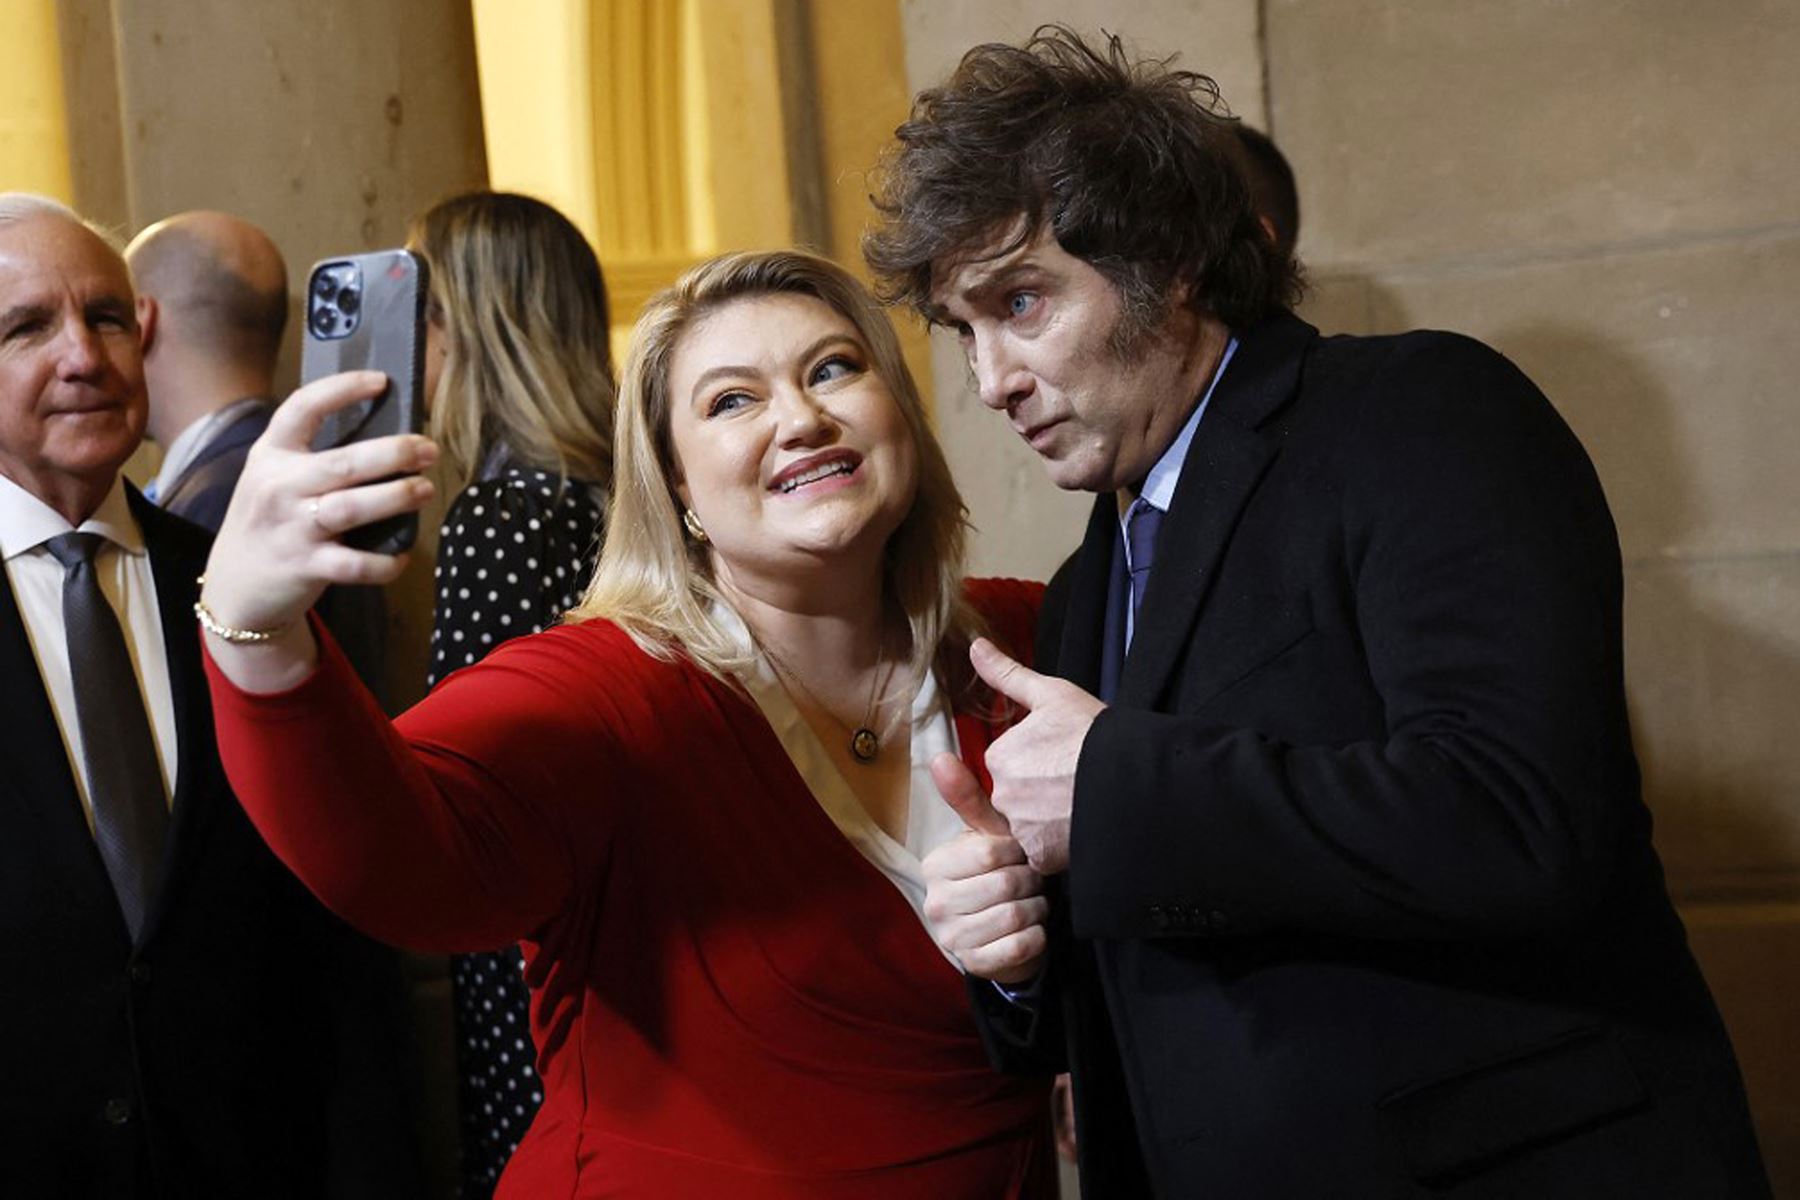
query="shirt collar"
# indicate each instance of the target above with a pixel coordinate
(1159, 485)
(27, 522)
(200, 434)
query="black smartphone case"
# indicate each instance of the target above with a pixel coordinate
(385, 333)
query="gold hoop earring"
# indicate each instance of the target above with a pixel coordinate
(691, 523)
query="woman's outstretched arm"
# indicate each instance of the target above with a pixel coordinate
(412, 839)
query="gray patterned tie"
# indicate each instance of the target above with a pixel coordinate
(125, 787)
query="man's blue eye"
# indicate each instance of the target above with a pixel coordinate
(1021, 303)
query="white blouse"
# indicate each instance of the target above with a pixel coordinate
(930, 822)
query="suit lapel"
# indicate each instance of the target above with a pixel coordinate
(175, 565)
(1083, 644)
(1230, 454)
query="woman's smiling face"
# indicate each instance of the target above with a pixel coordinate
(789, 447)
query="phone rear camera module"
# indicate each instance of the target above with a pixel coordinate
(334, 301)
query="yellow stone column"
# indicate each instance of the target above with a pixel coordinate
(34, 143)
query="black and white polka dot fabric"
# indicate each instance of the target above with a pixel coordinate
(513, 556)
(515, 553)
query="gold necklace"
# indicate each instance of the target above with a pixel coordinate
(865, 741)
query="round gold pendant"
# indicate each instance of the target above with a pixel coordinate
(865, 745)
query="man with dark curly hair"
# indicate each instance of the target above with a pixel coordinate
(1329, 774)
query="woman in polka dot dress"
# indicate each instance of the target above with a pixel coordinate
(518, 380)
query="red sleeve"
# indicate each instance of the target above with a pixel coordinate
(1010, 609)
(464, 824)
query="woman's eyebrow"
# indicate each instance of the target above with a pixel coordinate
(731, 371)
(721, 372)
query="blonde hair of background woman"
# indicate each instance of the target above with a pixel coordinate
(656, 583)
(522, 305)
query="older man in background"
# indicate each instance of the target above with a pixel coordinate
(212, 304)
(172, 1020)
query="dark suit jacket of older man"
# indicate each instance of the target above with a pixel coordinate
(244, 1047)
(1361, 897)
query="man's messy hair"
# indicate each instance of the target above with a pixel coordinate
(1132, 165)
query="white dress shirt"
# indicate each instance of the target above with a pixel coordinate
(930, 822)
(123, 567)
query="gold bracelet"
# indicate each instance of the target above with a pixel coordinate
(232, 634)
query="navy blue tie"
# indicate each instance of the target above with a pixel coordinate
(1143, 520)
(125, 784)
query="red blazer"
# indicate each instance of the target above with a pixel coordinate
(728, 999)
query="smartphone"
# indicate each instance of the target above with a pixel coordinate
(367, 312)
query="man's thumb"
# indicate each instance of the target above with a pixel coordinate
(1006, 675)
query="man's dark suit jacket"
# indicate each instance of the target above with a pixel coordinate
(202, 493)
(226, 1054)
(1361, 890)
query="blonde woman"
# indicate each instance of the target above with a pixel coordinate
(518, 379)
(702, 802)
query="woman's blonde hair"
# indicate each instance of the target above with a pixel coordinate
(656, 583)
(519, 296)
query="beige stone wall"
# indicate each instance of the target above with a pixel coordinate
(1609, 192)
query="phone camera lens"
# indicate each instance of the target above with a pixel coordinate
(349, 300)
(324, 286)
(324, 321)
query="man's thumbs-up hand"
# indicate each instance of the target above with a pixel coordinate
(1033, 763)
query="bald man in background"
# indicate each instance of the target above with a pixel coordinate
(212, 301)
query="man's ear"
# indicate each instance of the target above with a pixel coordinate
(147, 314)
(1181, 292)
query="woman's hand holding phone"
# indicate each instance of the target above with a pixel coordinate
(278, 547)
